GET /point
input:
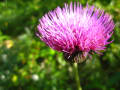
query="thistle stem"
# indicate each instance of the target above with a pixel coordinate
(77, 76)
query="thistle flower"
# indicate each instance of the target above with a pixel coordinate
(76, 31)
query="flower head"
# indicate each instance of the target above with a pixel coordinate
(75, 30)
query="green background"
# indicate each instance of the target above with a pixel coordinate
(26, 63)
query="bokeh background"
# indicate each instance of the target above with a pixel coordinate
(26, 63)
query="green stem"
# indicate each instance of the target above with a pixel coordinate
(77, 76)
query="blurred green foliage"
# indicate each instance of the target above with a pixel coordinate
(26, 63)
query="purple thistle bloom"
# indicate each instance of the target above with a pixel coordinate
(76, 31)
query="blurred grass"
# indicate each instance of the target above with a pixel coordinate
(26, 63)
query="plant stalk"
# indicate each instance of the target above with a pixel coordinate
(77, 76)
